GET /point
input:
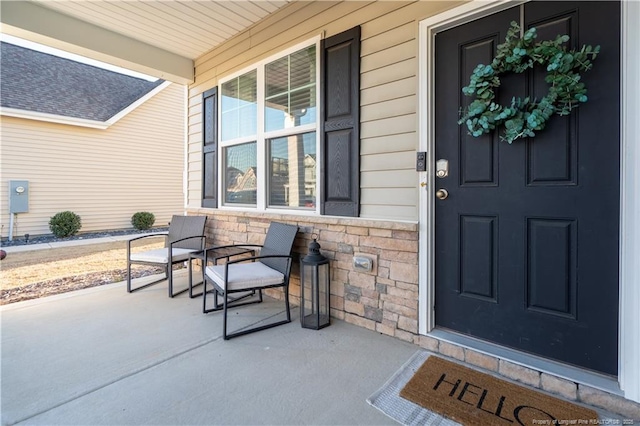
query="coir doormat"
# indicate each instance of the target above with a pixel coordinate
(474, 398)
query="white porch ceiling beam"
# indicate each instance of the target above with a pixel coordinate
(45, 26)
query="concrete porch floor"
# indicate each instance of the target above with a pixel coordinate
(103, 356)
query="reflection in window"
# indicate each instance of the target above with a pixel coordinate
(241, 168)
(290, 89)
(292, 171)
(239, 106)
(268, 121)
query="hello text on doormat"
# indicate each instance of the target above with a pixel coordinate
(474, 398)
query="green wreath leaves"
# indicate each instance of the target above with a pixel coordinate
(524, 116)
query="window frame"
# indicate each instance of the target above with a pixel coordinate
(262, 137)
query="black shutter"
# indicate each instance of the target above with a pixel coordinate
(340, 130)
(210, 148)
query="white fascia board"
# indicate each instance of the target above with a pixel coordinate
(45, 26)
(82, 122)
(137, 103)
(52, 118)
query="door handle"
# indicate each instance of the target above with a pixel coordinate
(442, 193)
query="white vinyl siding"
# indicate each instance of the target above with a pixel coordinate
(105, 176)
(389, 47)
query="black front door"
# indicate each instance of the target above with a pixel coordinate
(527, 240)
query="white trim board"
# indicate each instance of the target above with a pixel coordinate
(629, 319)
(34, 22)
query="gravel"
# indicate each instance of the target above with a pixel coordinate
(50, 238)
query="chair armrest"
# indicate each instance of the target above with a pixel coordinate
(254, 258)
(161, 234)
(206, 251)
(202, 237)
(234, 245)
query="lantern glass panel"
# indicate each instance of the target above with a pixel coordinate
(314, 302)
(308, 290)
(323, 290)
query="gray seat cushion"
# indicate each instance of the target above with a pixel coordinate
(245, 275)
(161, 255)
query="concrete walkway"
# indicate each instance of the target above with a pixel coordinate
(103, 356)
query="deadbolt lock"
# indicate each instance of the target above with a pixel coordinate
(442, 168)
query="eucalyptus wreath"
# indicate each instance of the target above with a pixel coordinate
(524, 116)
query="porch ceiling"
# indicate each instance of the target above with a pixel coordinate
(160, 38)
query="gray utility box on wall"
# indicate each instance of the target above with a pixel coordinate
(18, 196)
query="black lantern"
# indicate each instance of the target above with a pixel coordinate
(314, 289)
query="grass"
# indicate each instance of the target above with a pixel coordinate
(49, 268)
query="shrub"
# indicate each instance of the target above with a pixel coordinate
(65, 224)
(143, 220)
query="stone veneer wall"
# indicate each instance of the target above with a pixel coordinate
(386, 299)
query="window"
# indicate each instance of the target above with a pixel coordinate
(292, 171)
(290, 86)
(241, 178)
(239, 107)
(268, 134)
(267, 145)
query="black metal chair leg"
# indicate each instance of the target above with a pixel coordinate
(190, 269)
(224, 318)
(128, 277)
(191, 284)
(286, 303)
(170, 279)
(204, 299)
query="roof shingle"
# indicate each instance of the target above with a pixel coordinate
(39, 82)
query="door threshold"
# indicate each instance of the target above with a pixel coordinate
(595, 380)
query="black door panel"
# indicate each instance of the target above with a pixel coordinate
(527, 240)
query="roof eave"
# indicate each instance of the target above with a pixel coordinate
(33, 22)
(53, 118)
(81, 122)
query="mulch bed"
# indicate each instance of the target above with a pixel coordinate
(48, 238)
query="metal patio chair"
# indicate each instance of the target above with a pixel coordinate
(185, 235)
(271, 268)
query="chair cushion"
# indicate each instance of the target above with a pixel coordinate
(161, 255)
(245, 276)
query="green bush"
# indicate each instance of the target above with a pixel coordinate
(143, 220)
(65, 224)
